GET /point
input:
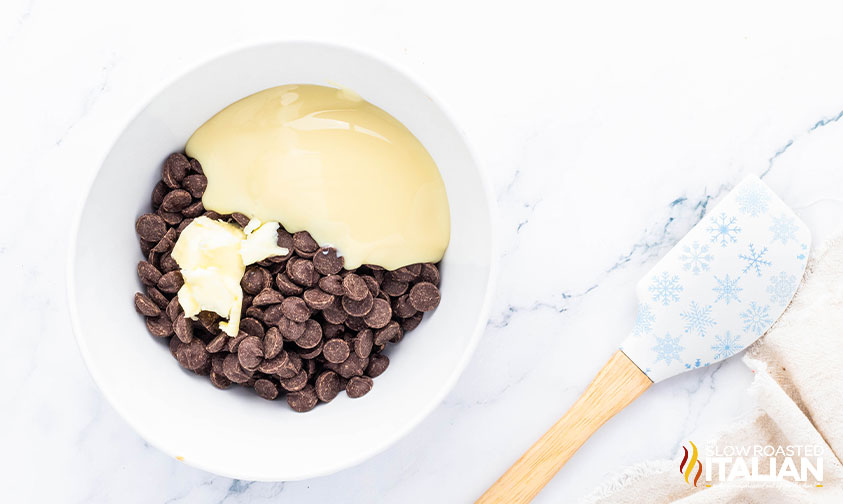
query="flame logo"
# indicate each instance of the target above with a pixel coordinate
(686, 467)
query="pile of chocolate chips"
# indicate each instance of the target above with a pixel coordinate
(310, 328)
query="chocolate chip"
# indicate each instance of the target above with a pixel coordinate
(213, 215)
(391, 330)
(193, 355)
(327, 262)
(317, 298)
(402, 307)
(148, 274)
(429, 273)
(250, 353)
(266, 389)
(255, 279)
(173, 309)
(183, 224)
(295, 309)
(158, 194)
(209, 320)
(358, 386)
(150, 227)
(273, 314)
(175, 168)
(304, 244)
(156, 296)
(146, 306)
(332, 330)
(311, 336)
(332, 284)
(310, 354)
(218, 343)
(335, 350)
(363, 343)
(255, 313)
(295, 383)
(290, 367)
(252, 327)
(183, 327)
(378, 273)
(410, 323)
(196, 166)
(219, 380)
(300, 271)
(272, 343)
(146, 247)
(170, 282)
(159, 326)
(176, 201)
(303, 400)
(233, 371)
(286, 286)
(174, 346)
(377, 365)
(171, 218)
(355, 288)
(241, 219)
(166, 243)
(267, 296)
(393, 287)
(404, 274)
(353, 366)
(195, 184)
(357, 308)
(327, 386)
(168, 264)
(335, 314)
(234, 343)
(193, 210)
(275, 364)
(290, 329)
(372, 284)
(424, 296)
(380, 314)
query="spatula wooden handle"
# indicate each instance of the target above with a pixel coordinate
(616, 385)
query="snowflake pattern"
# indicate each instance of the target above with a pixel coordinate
(726, 346)
(755, 259)
(696, 258)
(722, 286)
(667, 349)
(644, 320)
(784, 229)
(696, 364)
(698, 319)
(756, 319)
(781, 288)
(665, 288)
(723, 229)
(802, 255)
(753, 200)
(727, 289)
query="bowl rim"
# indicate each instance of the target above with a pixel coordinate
(450, 382)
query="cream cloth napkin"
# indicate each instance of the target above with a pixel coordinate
(798, 395)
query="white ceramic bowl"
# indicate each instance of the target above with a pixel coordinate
(233, 432)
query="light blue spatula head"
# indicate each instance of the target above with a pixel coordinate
(722, 286)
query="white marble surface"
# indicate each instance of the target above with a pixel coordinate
(606, 129)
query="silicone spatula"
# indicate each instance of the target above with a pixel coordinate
(717, 291)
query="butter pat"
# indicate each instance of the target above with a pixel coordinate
(213, 256)
(261, 242)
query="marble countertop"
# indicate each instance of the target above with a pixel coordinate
(606, 130)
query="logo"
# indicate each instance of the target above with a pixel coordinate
(686, 467)
(801, 464)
